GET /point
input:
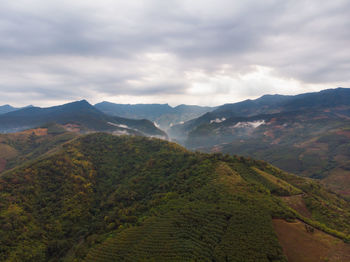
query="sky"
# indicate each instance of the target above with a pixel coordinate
(175, 51)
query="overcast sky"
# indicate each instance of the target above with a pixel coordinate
(170, 51)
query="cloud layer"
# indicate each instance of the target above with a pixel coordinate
(176, 51)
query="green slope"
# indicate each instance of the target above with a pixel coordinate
(108, 198)
(18, 148)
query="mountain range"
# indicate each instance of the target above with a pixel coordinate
(80, 116)
(306, 134)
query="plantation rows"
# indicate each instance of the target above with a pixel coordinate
(204, 233)
(184, 236)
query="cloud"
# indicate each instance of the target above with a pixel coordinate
(170, 51)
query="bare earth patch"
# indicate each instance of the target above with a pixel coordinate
(344, 133)
(72, 128)
(301, 245)
(7, 152)
(338, 181)
(2, 164)
(37, 132)
(297, 203)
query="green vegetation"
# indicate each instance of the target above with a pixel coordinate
(108, 198)
(19, 148)
(280, 184)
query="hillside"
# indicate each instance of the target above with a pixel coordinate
(80, 115)
(306, 134)
(164, 115)
(121, 198)
(18, 148)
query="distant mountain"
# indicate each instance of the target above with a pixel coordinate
(267, 104)
(307, 134)
(6, 109)
(164, 115)
(108, 198)
(80, 115)
(134, 111)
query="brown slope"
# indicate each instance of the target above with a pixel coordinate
(301, 245)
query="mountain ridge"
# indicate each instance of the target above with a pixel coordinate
(79, 113)
(164, 115)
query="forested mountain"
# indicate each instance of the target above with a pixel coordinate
(122, 198)
(164, 115)
(79, 115)
(306, 134)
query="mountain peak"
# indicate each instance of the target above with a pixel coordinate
(76, 105)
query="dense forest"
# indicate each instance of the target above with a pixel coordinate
(109, 198)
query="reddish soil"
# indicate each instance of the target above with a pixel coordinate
(37, 132)
(343, 133)
(2, 164)
(72, 128)
(338, 181)
(320, 117)
(276, 141)
(273, 120)
(216, 149)
(299, 245)
(269, 134)
(297, 203)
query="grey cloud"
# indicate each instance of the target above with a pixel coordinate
(305, 40)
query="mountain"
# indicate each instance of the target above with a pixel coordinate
(150, 111)
(267, 104)
(7, 108)
(307, 134)
(164, 115)
(112, 198)
(79, 115)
